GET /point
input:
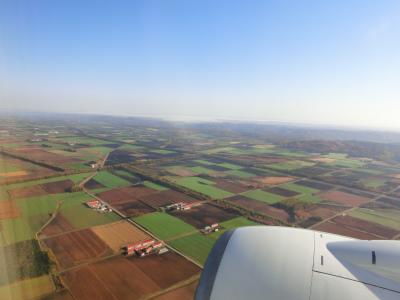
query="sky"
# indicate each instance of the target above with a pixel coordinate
(299, 61)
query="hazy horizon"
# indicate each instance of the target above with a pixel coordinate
(297, 62)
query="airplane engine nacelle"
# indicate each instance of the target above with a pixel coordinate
(280, 263)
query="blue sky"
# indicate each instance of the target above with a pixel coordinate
(314, 62)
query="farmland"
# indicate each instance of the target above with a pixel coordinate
(154, 182)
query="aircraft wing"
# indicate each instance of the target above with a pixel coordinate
(280, 263)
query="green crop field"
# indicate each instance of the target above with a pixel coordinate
(196, 246)
(204, 162)
(373, 183)
(231, 224)
(239, 173)
(109, 180)
(307, 194)
(262, 196)
(203, 186)
(83, 140)
(164, 225)
(291, 165)
(201, 170)
(385, 217)
(154, 186)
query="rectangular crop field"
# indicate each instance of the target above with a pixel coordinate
(109, 180)
(385, 217)
(262, 196)
(203, 186)
(196, 246)
(164, 225)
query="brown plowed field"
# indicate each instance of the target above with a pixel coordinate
(315, 185)
(343, 198)
(346, 231)
(134, 208)
(128, 278)
(324, 211)
(181, 172)
(14, 174)
(118, 234)
(8, 210)
(125, 194)
(260, 207)
(30, 191)
(57, 186)
(77, 247)
(57, 226)
(282, 192)
(45, 156)
(183, 293)
(366, 226)
(233, 187)
(205, 214)
(166, 269)
(93, 184)
(164, 198)
(274, 180)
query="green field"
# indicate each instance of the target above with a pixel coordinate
(307, 194)
(201, 170)
(80, 216)
(164, 225)
(239, 173)
(204, 162)
(385, 217)
(373, 183)
(231, 224)
(109, 180)
(83, 140)
(263, 196)
(291, 165)
(203, 186)
(196, 246)
(154, 186)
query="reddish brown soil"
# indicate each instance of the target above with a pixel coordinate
(57, 186)
(365, 226)
(281, 192)
(205, 214)
(183, 293)
(134, 208)
(346, 231)
(77, 247)
(230, 186)
(58, 225)
(125, 194)
(93, 184)
(166, 269)
(324, 210)
(8, 210)
(30, 191)
(343, 198)
(273, 180)
(44, 156)
(164, 198)
(128, 278)
(260, 207)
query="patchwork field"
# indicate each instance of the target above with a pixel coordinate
(77, 247)
(108, 279)
(344, 198)
(205, 215)
(203, 186)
